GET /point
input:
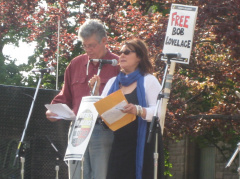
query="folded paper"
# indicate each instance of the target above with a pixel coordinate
(110, 110)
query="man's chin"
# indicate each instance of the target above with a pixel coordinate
(92, 57)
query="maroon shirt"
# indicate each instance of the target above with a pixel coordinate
(76, 80)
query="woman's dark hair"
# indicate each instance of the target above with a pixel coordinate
(141, 50)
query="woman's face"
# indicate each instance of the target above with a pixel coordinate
(128, 60)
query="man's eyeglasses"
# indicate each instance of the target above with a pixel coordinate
(126, 52)
(90, 46)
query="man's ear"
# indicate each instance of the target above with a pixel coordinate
(104, 40)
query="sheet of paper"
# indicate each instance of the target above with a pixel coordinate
(62, 117)
(62, 110)
(114, 114)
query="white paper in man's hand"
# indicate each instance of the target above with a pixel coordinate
(62, 110)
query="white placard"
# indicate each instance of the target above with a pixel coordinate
(180, 31)
(82, 128)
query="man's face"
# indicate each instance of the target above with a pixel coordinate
(94, 48)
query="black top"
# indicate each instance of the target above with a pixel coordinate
(122, 161)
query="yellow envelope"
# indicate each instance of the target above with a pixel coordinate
(109, 110)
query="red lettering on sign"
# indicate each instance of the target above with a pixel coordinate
(181, 21)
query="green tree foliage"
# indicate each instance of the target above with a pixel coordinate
(13, 27)
(212, 75)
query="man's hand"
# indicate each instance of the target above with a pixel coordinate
(91, 83)
(50, 116)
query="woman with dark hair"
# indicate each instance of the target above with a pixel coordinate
(131, 156)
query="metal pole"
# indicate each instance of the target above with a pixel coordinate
(155, 123)
(155, 156)
(28, 119)
(22, 167)
(233, 157)
(57, 167)
(58, 52)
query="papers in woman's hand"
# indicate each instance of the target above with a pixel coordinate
(62, 111)
(110, 109)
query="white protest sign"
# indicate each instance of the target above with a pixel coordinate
(180, 31)
(82, 129)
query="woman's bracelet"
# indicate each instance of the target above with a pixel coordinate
(139, 110)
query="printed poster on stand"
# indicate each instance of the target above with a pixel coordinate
(180, 31)
(82, 129)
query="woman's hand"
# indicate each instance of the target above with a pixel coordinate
(132, 109)
(91, 83)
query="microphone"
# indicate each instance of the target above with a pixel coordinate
(171, 55)
(45, 70)
(113, 62)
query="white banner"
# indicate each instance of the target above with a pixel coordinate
(180, 31)
(82, 128)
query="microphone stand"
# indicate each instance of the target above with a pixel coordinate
(20, 147)
(22, 159)
(155, 125)
(92, 94)
(233, 157)
(57, 167)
